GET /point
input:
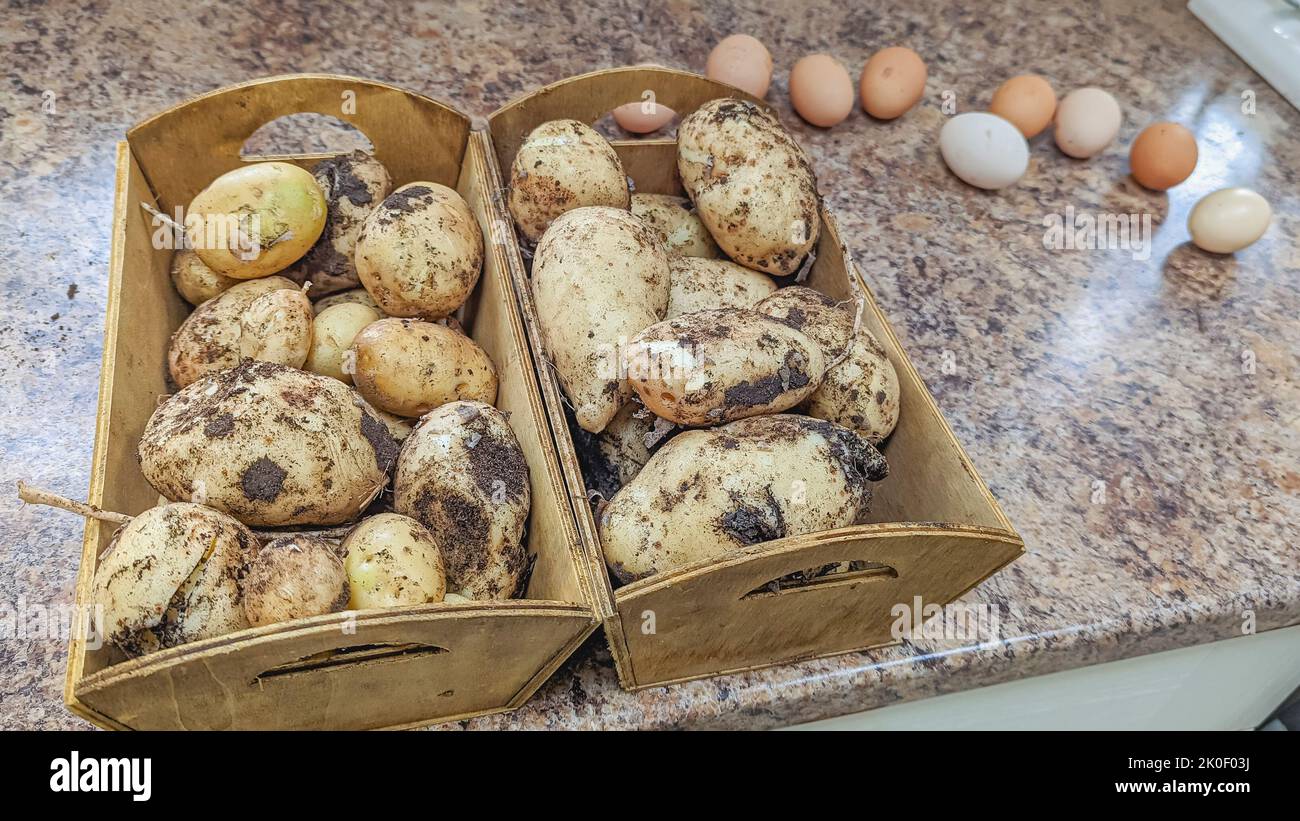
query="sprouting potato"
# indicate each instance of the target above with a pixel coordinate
(708, 492)
(256, 220)
(294, 577)
(353, 184)
(677, 224)
(208, 340)
(752, 185)
(701, 284)
(357, 295)
(195, 281)
(409, 367)
(170, 576)
(270, 445)
(462, 474)
(599, 276)
(393, 560)
(563, 165)
(420, 251)
(277, 327)
(331, 339)
(711, 367)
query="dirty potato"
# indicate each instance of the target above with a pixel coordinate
(752, 185)
(420, 251)
(678, 226)
(195, 281)
(462, 474)
(862, 392)
(270, 445)
(331, 339)
(708, 492)
(277, 327)
(256, 220)
(711, 367)
(208, 340)
(353, 184)
(358, 295)
(817, 316)
(563, 165)
(628, 441)
(171, 576)
(393, 560)
(294, 577)
(701, 284)
(599, 276)
(408, 367)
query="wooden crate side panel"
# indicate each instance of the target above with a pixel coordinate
(393, 668)
(723, 618)
(186, 147)
(552, 533)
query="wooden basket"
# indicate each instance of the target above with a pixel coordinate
(399, 667)
(936, 531)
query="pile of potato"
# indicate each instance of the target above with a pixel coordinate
(726, 404)
(368, 408)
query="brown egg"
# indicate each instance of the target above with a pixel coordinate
(1027, 102)
(642, 118)
(892, 81)
(741, 61)
(821, 90)
(1162, 156)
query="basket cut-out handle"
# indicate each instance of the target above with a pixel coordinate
(836, 578)
(588, 97)
(348, 656)
(415, 137)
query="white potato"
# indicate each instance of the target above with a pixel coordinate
(752, 185)
(356, 295)
(678, 226)
(331, 338)
(294, 577)
(708, 492)
(462, 474)
(701, 284)
(208, 340)
(393, 560)
(195, 281)
(277, 327)
(409, 367)
(420, 251)
(563, 165)
(599, 276)
(270, 445)
(862, 392)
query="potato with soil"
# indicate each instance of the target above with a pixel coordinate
(208, 340)
(709, 492)
(860, 390)
(712, 367)
(294, 577)
(333, 331)
(752, 185)
(269, 445)
(393, 560)
(420, 251)
(277, 327)
(256, 220)
(599, 276)
(408, 367)
(462, 474)
(678, 226)
(563, 165)
(195, 281)
(359, 296)
(353, 184)
(171, 576)
(701, 284)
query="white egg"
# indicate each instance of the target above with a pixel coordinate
(984, 150)
(1228, 220)
(1087, 121)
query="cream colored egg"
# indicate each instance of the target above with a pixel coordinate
(1087, 121)
(1228, 220)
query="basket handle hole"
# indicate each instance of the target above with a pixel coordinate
(835, 574)
(346, 656)
(304, 134)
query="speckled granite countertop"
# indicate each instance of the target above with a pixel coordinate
(1139, 420)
